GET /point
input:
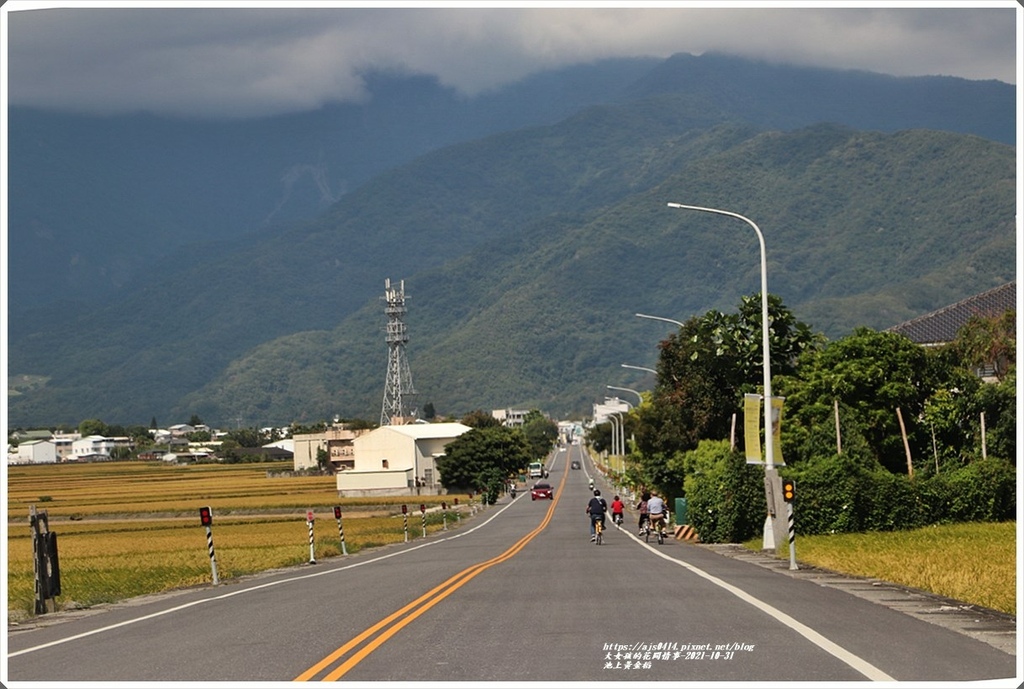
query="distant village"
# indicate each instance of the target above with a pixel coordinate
(394, 459)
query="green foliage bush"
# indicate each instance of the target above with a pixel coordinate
(725, 495)
(841, 494)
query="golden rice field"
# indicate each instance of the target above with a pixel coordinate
(130, 528)
(974, 562)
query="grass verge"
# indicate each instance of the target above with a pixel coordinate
(975, 562)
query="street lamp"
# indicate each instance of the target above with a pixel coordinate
(639, 396)
(641, 368)
(659, 318)
(769, 450)
(769, 455)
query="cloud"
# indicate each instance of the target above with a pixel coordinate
(189, 60)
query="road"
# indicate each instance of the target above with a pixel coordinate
(517, 593)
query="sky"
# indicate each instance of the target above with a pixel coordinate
(248, 59)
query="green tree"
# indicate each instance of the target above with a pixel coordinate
(540, 432)
(483, 459)
(871, 374)
(428, 411)
(92, 427)
(989, 341)
(705, 368)
(478, 418)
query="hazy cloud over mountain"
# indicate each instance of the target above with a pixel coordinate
(230, 60)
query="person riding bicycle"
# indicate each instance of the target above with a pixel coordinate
(617, 508)
(656, 511)
(645, 517)
(596, 508)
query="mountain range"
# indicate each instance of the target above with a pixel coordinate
(165, 268)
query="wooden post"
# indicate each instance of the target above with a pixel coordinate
(732, 434)
(839, 438)
(906, 444)
(984, 446)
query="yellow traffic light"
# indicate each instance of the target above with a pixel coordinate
(788, 489)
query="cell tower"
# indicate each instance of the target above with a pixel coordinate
(398, 391)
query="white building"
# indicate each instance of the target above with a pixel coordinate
(92, 445)
(34, 452)
(398, 460)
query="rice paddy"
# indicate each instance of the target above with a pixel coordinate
(130, 528)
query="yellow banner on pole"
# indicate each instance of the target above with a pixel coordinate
(776, 434)
(752, 428)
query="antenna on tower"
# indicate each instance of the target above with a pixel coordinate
(398, 389)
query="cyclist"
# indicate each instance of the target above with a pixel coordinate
(656, 510)
(617, 508)
(642, 507)
(596, 508)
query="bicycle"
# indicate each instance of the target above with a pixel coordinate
(660, 531)
(597, 530)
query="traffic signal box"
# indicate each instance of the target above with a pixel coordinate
(788, 489)
(205, 516)
(337, 511)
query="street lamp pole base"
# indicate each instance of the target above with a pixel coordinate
(769, 535)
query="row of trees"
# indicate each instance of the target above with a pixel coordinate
(873, 402)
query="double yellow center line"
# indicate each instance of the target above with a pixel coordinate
(379, 633)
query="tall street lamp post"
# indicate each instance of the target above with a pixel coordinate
(641, 368)
(769, 451)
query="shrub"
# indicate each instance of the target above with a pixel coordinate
(984, 490)
(725, 495)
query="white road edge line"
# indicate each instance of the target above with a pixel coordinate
(231, 594)
(854, 661)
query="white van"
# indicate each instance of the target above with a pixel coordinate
(536, 469)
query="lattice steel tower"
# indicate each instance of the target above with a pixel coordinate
(398, 391)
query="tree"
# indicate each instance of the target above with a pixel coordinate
(480, 419)
(989, 340)
(871, 374)
(428, 411)
(705, 368)
(483, 459)
(540, 432)
(92, 427)
(194, 420)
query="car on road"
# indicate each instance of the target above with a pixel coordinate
(542, 491)
(575, 464)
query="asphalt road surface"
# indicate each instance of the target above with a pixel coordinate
(516, 594)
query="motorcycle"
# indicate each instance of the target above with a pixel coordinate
(512, 492)
(617, 518)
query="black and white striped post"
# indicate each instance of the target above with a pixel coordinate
(423, 517)
(310, 518)
(206, 519)
(405, 521)
(341, 531)
(444, 516)
(458, 514)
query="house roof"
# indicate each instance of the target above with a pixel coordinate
(420, 431)
(942, 326)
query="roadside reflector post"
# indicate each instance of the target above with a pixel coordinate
(341, 531)
(310, 517)
(206, 519)
(458, 514)
(405, 522)
(444, 516)
(423, 517)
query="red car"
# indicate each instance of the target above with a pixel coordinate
(542, 491)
